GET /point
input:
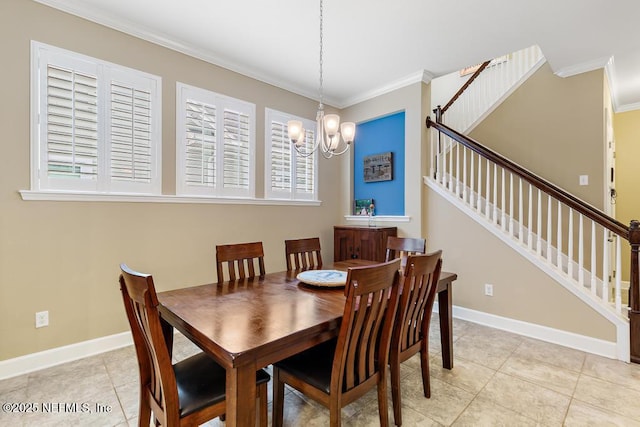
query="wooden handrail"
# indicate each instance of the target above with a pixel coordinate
(561, 195)
(466, 85)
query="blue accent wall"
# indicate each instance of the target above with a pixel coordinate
(374, 137)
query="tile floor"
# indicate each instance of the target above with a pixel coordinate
(499, 379)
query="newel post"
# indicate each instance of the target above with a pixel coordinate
(634, 291)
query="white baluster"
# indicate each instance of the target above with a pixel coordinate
(457, 169)
(450, 171)
(503, 219)
(520, 213)
(570, 246)
(488, 191)
(618, 274)
(464, 174)
(431, 155)
(511, 213)
(559, 238)
(539, 227)
(530, 219)
(471, 185)
(605, 266)
(495, 193)
(479, 204)
(594, 289)
(580, 250)
(549, 231)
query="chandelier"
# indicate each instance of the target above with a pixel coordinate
(332, 137)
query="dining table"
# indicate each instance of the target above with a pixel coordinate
(248, 324)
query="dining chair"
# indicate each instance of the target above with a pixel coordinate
(402, 247)
(411, 332)
(189, 393)
(305, 253)
(341, 370)
(240, 257)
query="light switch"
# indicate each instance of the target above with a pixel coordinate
(584, 179)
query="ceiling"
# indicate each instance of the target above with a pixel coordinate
(373, 46)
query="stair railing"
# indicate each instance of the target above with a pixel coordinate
(576, 240)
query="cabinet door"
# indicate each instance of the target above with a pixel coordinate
(368, 245)
(343, 244)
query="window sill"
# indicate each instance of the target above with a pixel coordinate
(67, 196)
(378, 218)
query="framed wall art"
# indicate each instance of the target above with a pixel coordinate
(378, 167)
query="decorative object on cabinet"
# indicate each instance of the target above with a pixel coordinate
(361, 207)
(369, 243)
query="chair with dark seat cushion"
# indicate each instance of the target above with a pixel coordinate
(189, 393)
(411, 331)
(305, 253)
(240, 257)
(339, 371)
(402, 247)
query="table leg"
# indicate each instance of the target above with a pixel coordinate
(241, 396)
(446, 325)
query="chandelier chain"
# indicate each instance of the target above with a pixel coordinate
(321, 49)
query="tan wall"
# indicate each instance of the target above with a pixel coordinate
(554, 127)
(627, 135)
(64, 256)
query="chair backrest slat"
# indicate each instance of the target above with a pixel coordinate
(305, 253)
(240, 259)
(420, 281)
(365, 332)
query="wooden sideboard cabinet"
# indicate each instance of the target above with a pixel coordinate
(370, 243)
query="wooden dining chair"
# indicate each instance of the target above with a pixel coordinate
(402, 247)
(411, 331)
(305, 253)
(189, 393)
(341, 370)
(240, 257)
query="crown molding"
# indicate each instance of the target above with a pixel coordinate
(421, 76)
(627, 107)
(77, 9)
(583, 67)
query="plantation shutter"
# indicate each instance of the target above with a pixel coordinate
(131, 145)
(200, 148)
(236, 150)
(216, 144)
(72, 124)
(97, 125)
(280, 157)
(305, 170)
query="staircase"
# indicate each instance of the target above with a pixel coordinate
(574, 243)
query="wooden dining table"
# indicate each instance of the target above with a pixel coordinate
(248, 324)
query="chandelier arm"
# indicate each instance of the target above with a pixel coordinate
(306, 153)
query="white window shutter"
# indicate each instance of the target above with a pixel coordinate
(69, 133)
(288, 175)
(215, 144)
(97, 126)
(134, 155)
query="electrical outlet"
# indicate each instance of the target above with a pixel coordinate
(488, 289)
(584, 179)
(42, 319)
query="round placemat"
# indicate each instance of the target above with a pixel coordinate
(327, 278)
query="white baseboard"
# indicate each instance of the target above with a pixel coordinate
(56, 356)
(542, 333)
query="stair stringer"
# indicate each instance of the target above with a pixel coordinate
(620, 322)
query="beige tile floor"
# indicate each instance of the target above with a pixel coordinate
(499, 379)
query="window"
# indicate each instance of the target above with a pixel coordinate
(288, 175)
(215, 140)
(95, 125)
